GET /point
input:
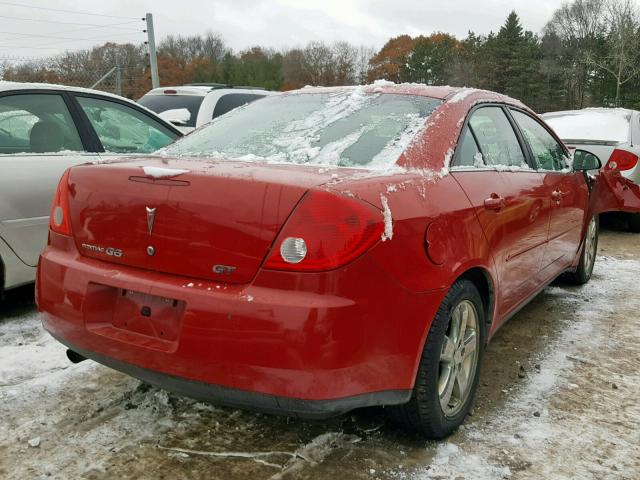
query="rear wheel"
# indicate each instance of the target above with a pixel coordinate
(588, 255)
(634, 222)
(448, 374)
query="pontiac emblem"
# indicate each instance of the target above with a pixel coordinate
(151, 216)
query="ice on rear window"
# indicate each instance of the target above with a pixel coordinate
(345, 128)
(177, 115)
(172, 103)
(611, 125)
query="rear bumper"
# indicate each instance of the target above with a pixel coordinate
(311, 345)
(232, 397)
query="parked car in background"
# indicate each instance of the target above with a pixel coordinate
(191, 106)
(613, 134)
(45, 129)
(328, 249)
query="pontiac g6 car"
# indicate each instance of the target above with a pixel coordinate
(321, 250)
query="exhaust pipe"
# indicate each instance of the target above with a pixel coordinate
(75, 357)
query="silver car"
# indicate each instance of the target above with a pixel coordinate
(45, 129)
(612, 134)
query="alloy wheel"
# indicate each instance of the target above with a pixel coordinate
(459, 358)
(590, 245)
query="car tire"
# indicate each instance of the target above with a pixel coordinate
(634, 222)
(429, 411)
(588, 254)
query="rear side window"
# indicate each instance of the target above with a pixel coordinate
(469, 155)
(122, 129)
(228, 102)
(496, 138)
(547, 152)
(36, 123)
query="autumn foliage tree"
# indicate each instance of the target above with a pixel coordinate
(389, 62)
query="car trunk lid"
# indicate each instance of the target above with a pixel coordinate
(209, 220)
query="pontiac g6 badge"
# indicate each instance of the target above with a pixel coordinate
(151, 216)
(112, 252)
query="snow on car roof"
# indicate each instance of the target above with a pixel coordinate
(6, 86)
(203, 90)
(384, 86)
(598, 124)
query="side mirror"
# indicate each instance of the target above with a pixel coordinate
(583, 161)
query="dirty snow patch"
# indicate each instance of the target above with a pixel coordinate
(388, 220)
(450, 461)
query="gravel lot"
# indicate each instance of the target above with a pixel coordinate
(558, 399)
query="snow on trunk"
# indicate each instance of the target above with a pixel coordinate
(388, 220)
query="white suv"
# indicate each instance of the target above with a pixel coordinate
(193, 105)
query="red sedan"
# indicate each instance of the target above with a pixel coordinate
(321, 250)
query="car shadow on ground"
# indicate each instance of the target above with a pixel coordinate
(17, 301)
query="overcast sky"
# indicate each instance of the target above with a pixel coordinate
(39, 31)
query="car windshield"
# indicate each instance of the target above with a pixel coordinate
(610, 125)
(174, 107)
(348, 128)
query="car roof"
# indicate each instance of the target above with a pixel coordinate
(9, 86)
(6, 86)
(204, 90)
(562, 113)
(446, 93)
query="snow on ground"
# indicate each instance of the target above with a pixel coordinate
(578, 415)
(575, 415)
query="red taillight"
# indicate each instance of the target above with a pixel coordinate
(622, 160)
(59, 220)
(170, 92)
(325, 231)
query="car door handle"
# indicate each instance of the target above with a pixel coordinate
(494, 202)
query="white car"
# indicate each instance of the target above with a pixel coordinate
(191, 106)
(45, 129)
(612, 134)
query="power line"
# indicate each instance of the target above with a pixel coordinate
(35, 35)
(97, 25)
(75, 12)
(43, 47)
(101, 37)
(66, 31)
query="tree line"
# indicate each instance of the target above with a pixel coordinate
(588, 54)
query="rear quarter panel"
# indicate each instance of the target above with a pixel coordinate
(418, 203)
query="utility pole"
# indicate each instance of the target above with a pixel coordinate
(153, 59)
(118, 80)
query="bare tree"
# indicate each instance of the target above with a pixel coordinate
(621, 59)
(363, 65)
(318, 64)
(577, 25)
(345, 57)
(187, 48)
(293, 69)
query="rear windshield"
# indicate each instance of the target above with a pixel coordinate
(181, 109)
(597, 125)
(348, 128)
